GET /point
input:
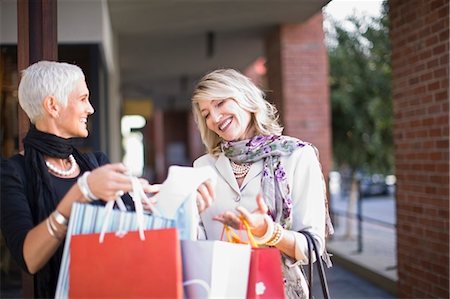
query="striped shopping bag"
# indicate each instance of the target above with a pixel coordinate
(88, 219)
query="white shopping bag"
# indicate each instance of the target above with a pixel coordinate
(177, 197)
(215, 269)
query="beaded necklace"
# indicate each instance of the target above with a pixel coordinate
(240, 170)
(61, 172)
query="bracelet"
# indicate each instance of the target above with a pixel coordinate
(59, 218)
(269, 232)
(277, 236)
(52, 225)
(53, 231)
(84, 187)
(49, 229)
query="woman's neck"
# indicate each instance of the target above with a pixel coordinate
(46, 127)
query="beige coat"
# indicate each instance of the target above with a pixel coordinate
(306, 183)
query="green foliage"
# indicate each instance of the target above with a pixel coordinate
(360, 83)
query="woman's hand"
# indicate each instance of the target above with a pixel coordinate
(149, 189)
(205, 195)
(255, 219)
(110, 181)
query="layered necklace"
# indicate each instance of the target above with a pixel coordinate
(240, 170)
(62, 172)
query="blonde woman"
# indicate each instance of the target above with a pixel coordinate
(272, 180)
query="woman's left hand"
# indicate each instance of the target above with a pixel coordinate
(255, 219)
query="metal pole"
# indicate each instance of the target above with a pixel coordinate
(359, 216)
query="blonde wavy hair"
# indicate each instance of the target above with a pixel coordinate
(229, 83)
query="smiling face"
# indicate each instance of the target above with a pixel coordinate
(72, 120)
(227, 119)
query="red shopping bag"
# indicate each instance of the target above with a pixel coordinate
(265, 278)
(126, 267)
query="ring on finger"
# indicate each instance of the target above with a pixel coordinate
(119, 193)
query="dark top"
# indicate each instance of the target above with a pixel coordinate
(16, 218)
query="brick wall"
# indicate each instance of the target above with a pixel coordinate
(420, 50)
(297, 70)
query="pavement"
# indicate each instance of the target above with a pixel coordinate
(366, 269)
(345, 284)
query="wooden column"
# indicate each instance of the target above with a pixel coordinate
(36, 40)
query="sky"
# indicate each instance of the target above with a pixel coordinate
(340, 9)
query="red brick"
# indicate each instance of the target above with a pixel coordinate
(296, 53)
(421, 136)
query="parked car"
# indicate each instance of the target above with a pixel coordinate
(370, 184)
(374, 184)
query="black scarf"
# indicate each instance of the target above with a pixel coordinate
(41, 194)
(40, 190)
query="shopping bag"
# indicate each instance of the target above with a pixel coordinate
(215, 269)
(177, 197)
(88, 219)
(126, 266)
(265, 278)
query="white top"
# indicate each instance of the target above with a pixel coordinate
(307, 187)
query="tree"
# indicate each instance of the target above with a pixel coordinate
(360, 76)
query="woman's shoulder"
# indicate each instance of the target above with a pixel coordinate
(12, 167)
(305, 150)
(17, 158)
(16, 161)
(309, 148)
(204, 160)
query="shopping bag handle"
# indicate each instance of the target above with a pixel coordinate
(233, 237)
(312, 248)
(199, 282)
(138, 195)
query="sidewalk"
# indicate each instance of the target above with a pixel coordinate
(345, 284)
(377, 261)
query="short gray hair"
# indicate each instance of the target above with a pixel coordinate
(229, 83)
(46, 78)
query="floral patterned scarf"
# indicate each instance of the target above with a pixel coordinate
(274, 183)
